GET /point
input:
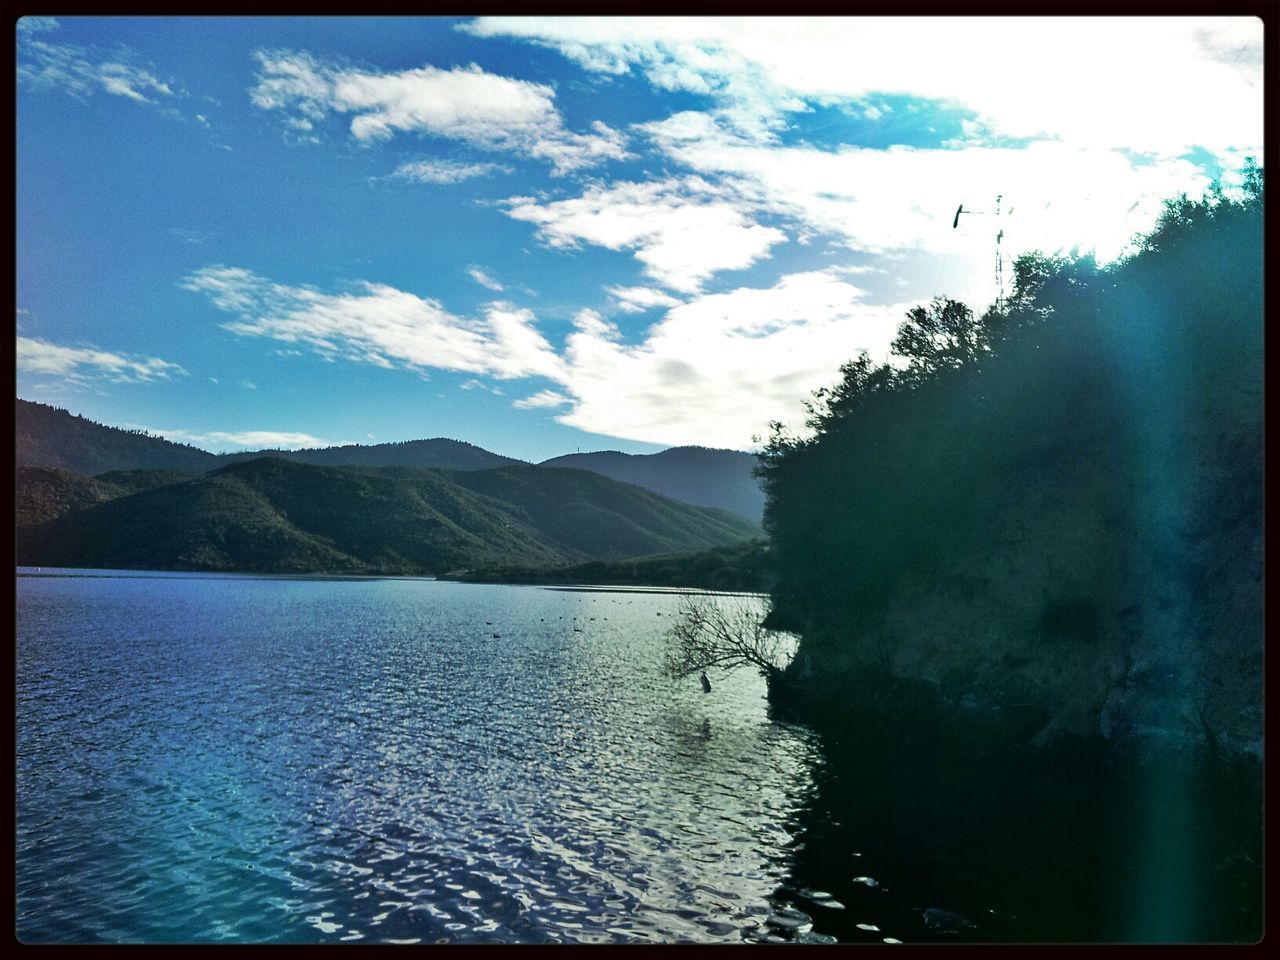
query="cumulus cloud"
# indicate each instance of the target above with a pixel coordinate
(1055, 195)
(714, 370)
(484, 279)
(482, 109)
(681, 230)
(76, 71)
(378, 324)
(443, 171)
(717, 369)
(1154, 84)
(81, 365)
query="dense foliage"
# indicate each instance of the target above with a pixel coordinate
(741, 567)
(45, 493)
(1133, 389)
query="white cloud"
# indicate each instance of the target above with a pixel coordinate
(70, 69)
(378, 324)
(247, 439)
(714, 370)
(485, 280)
(717, 369)
(542, 399)
(891, 201)
(484, 110)
(683, 231)
(37, 24)
(1153, 84)
(84, 364)
(443, 171)
(640, 299)
(187, 235)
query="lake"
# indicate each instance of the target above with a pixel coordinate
(273, 759)
(205, 758)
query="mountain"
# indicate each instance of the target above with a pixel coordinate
(45, 493)
(50, 437)
(275, 515)
(604, 518)
(697, 475)
(436, 454)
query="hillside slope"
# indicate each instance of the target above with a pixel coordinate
(607, 519)
(697, 475)
(50, 437)
(436, 454)
(44, 493)
(273, 515)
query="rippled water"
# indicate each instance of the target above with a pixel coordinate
(205, 758)
(269, 759)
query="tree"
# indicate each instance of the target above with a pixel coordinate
(939, 337)
(860, 379)
(724, 632)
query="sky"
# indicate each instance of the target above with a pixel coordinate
(542, 235)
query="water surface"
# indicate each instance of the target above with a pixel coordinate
(259, 759)
(305, 759)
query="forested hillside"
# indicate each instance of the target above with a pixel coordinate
(274, 515)
(1056, 504)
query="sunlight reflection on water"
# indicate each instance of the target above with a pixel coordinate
(274, 759)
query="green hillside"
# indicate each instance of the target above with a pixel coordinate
(604, 518)
(741, 567)
(50, 437)
(44, 493)
(273, 515)
(724, 479)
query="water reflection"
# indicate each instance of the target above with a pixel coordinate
(919, 836)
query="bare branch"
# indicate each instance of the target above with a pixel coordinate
(724, 632)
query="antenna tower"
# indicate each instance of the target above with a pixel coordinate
(999, 257)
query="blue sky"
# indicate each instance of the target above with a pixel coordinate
(541, 235)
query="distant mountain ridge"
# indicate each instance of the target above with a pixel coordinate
(51, 437)
(439, 453)
(702, 476)
(276, 515)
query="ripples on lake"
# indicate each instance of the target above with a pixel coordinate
(269, 759)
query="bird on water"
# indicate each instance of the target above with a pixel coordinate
(706, 684)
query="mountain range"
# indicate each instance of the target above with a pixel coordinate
(51, 437)
(191, 510)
